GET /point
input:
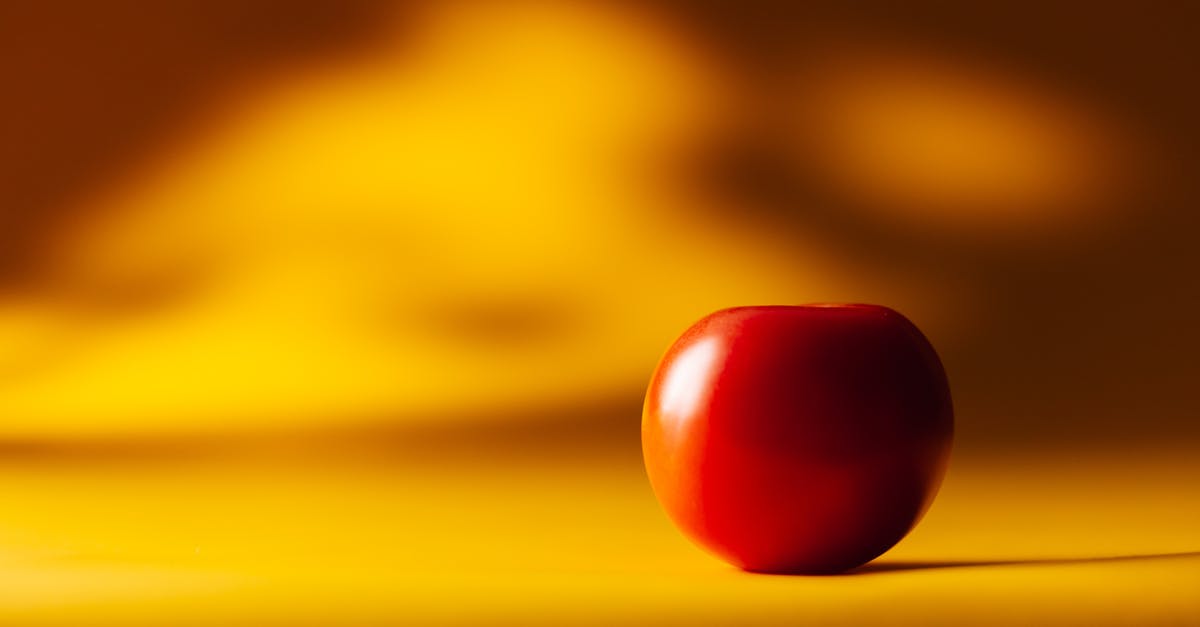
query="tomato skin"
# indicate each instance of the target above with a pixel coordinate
(802, 439)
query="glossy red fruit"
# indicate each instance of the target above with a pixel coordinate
(804, 439)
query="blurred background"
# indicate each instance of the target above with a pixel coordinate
(283, 274)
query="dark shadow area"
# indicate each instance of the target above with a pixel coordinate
(888, 567)
(93, 90)
(1107, 312)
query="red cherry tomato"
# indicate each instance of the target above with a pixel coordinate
(804, 439)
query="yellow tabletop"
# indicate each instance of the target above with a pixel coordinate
(385, 529)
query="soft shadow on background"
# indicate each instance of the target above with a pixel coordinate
(1021, 187)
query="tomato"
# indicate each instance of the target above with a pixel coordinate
(804, 439)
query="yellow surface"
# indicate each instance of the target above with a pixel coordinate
(262, 536)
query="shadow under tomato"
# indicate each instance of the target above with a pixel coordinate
(887, 567)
